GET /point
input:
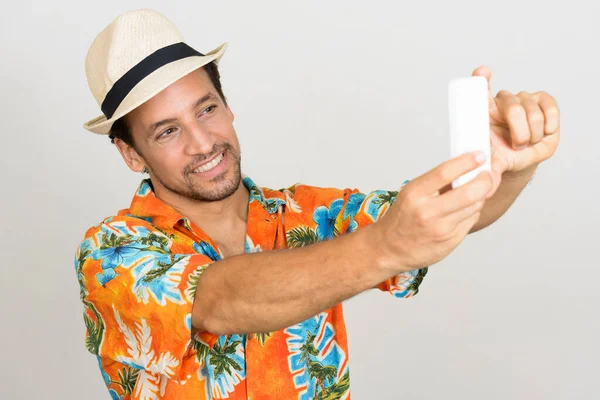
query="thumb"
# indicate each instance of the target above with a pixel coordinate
(486, 72)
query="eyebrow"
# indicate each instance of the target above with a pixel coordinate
(203, 99)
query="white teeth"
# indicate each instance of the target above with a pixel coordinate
(210, 165)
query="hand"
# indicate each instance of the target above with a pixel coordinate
(524, 129)
(427, 221)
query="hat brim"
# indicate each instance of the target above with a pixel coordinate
(153, 84)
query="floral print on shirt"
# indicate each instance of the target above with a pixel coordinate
(138, 272)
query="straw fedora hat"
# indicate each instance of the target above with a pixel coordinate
(134, 58)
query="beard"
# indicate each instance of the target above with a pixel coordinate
(224, 186)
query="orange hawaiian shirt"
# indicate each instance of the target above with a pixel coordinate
(138, 272)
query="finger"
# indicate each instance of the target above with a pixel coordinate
(462, 198)
(458, 218)
(445, 188)
(458, 226)
(513, 113)
(430, 183)
(551, 112)
(464, 226)
(486, 72)
(535, 117)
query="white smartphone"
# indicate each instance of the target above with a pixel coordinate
(469, 122)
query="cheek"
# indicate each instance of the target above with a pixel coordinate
(233, 138)
(169, 161)
(224, 132)
(235, 142)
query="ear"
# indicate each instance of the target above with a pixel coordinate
(134, 161)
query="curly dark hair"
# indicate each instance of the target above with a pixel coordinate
(120, 130)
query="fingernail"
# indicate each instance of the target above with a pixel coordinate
(480, 156)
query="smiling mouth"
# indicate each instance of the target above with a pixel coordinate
(210, 165)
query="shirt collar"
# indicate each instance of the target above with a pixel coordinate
(147, 206)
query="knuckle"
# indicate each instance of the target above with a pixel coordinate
(442, 232)
(544, 95)
(443, 175)
(422, 217)
(514, 110)
(483, 188)
(536, 118)
(478, 206)
(409, 195)
(472, 195)
(553, 111)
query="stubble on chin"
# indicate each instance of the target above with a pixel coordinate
(225, 188)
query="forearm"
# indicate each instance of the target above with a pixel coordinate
(508, 191)
(268, 291)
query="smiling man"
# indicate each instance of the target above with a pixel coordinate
(209, 286)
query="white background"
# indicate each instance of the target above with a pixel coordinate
(342, 94)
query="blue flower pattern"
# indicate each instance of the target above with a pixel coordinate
(325, 219)
(144, 253)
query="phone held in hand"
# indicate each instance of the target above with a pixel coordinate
(469, 120)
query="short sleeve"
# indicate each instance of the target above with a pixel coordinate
(138, 297)
(362, 209)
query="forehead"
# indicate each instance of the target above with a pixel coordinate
(174, 99)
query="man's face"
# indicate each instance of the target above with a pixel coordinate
(185, 137)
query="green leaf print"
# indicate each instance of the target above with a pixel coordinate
(262, 337)
(383, 198)
(220, 359)
(82, 256)
(418, 279)
(302, 236)
(111, 240)
(337, 390)
(127, 379)
(169, 235)
(95, 329)
(154, 238)
(190, 291)
(322, 374)
(308, 349)
(255, 192)
(202, 351)
(161, 270)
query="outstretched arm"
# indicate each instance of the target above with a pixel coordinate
(268, 291)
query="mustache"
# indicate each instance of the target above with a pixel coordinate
(199, 158)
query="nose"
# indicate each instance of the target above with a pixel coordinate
(199, 139)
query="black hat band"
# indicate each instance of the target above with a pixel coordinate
(148, 65)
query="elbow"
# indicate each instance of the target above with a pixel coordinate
(205, 320)
(210, 325)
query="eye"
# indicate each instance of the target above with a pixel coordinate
(209, 109)
(166, 133)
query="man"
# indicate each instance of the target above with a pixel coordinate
(209, 286)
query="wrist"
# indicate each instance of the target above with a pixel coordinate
(524, 174)
(385, 257)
